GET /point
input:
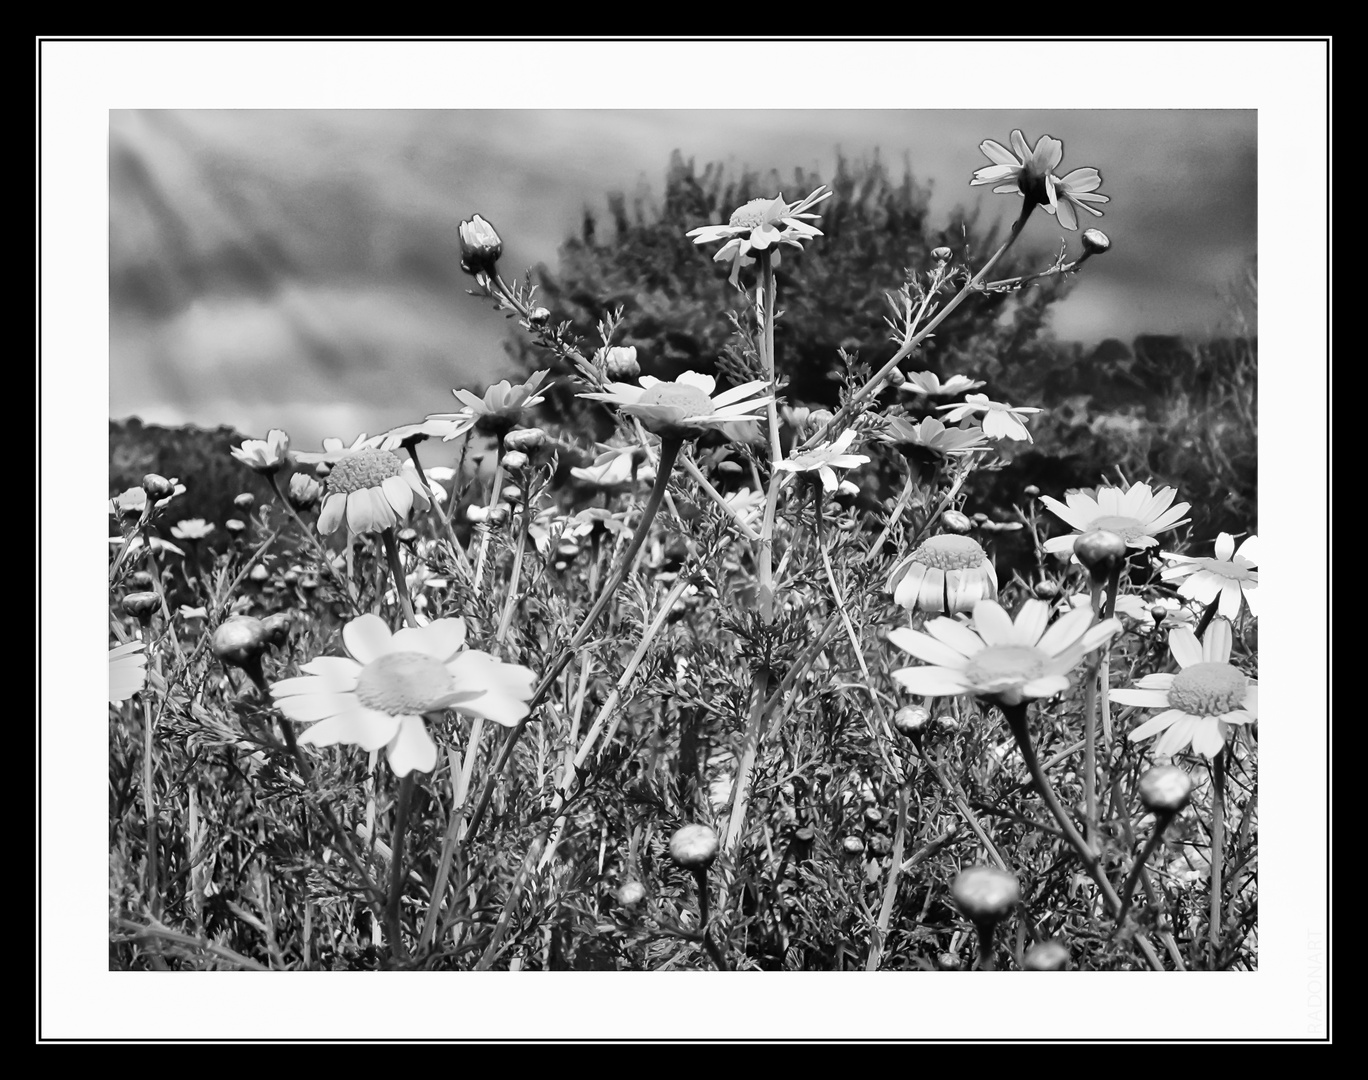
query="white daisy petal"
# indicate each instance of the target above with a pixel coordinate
(925, 647)
(932, 681)
(1184, 646)
(412, 748)
(367, 637)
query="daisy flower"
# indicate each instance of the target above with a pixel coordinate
(1135, 514)
(191, 529)
(1230, 575)
(613, 469)
(759, 226)
(372, 490)
(127, 671)
(133, 502)
(379, 694)
(947, 573)
(1074, 192)
(1000, 421)
(334, 450)
(930, 441)
(1030, 173)
(684, 408)
(265, 456)
(498, 412)
(1003, 661)
(1200, 701)
(157, 544)
(824, 458)
(928, 383)
(406, 435)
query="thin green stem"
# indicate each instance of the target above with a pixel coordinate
(398, 949)
(462, 560)
(1161, 822)
(1216, 917)
(396, 569)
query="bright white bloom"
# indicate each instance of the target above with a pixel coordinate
(999, 659)
(1135, 515)
(497, 412)
(1000, 421)
(191, 529)
(929, 383)
(1230, 575)
(411, 434)
(613, 469)
(267, 455)
(372, 491)
(127, 671)
(684, 408)
(824, 458)
(947, 573)
(1201, 701)
(1030, 173)
(379, 695)
(760, 225)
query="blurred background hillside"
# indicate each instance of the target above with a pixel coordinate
(300, 269)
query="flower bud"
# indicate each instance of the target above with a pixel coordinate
(620, 362)
(514, 459)
(820, 418)
(305, 491)
(259, 573)
(141, 579)
(1046, 956)
(1030, 491)
(245, 501)
(240, 641)
(911, 720)
(941, 254)
(498, 515)
(1158, 613)
(853, 845)
(694, 847)
(480, 246)
(631, 893)
(956, 522)
(526, 440)
(1101, 551)
(1045, 590)
(233, 525)
(985, 894)
(1096, 242)
(948, 961)
(157, 487)
(277, 628)
(1165, 789)
(142, 605)
(539, 316)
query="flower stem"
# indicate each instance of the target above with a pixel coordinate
(1161, 822)
(398, 950)
(478, 573)
(396, 569)
(150, 807)
(1016, 720)
(765, 308)
(432, 487)
(1217, 853)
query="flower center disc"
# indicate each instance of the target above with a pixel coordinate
(363, 469)
(950, 552)
(403, 684)
(689, 400)
(1128, 528)
(749, 216)
(1005, 665)
(1208, 689)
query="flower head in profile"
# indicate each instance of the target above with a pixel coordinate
(133, 502)
(497, 412)
(1231, 575)
(334, 450)
(1030, 173)
(1000, 659)
(684, 408)
(1000, 420)
(406, 435)
(1201, 701)
(930, 384)
(761, 225)
(930, 442)
(265, 456)
(378, 695)
(480, 246)
(191, 529)
(946, 573)
(1135, 514)
(127, 671)
(371, 490)
(824, 459)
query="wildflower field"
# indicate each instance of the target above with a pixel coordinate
(798, 608)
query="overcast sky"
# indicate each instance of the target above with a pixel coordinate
(263, 263)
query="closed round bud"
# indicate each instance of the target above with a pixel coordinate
(956, 522)
(805, 834)
(304, 492)
(948, 961)
(142, 605)
(941, 254)
(310, 581)
(911, 720)
(820, 418)
(1096, 242)
(259, 573)
(525, 439)
(985, 893)
(567, 549)
(631, 893)
(233, 525)
(896, 378)
(1158, 613)
(141, 580)
(157, 486)
(240, 641)
(277, 627)
(1046, 590)
(1101, 551)
(480, 246)
(1046, 956)
(694, 847)
(514, 459)
(1030, 491)
(853, 845)
(874, 816)
(1165, 789)
(881, 844)
(539, 316)
(512, 493)
(620, 362)
(245, 501)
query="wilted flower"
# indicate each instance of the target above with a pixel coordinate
(684, 408)
(379, 695)
(127, 671)
(824, 458)
(1000, 421)
(372, 490)
(760, 225)
(1230, 575)
(265, 456)
(1135, 514)
(945, 573)
(1201, 701)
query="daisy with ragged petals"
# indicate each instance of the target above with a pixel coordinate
(127, 671)
(379, 694)
(1230, 575)
(1135, 514)
(1000, 420)
(334, 450)
(1030, 173)
(930, 384)
(265, 456)
(684, 408)
(371, 490)
(946, 573)
(824, 458)
(1201, 701)
(999, 659)
(497, 412)
(761, 225)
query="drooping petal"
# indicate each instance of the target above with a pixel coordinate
(1067, 216)
(400, 495)
(412, 748)
(908, 588)
(332, 514)
(999, 155)
(1249, 550)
